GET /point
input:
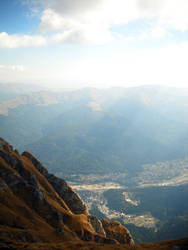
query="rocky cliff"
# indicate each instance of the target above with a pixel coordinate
(36, 206)
(40, 211)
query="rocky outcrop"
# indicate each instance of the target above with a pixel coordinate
(115, 230)
(3, 143)
(97, 225)
(37, 206)
(70, 197)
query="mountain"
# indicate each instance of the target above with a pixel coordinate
(11, 90)
(38, 206)
(93, 130)
(112, 141)
(40, 211)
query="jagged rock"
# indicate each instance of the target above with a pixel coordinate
(3, 185)
(116, 231)
(32, 180)
(2, 143)
(10, 159)
(36, 163)
(5, 145)
(36, 205)
(97, 225)
(99, 239)
(71, 198)
(37, 194)
(11, 178)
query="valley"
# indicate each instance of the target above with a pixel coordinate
(125, 156)
(139, 208)
(93, 125)
(98, 193)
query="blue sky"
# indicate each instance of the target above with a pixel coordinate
(97, 43)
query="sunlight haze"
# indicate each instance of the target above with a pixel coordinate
(79, 43)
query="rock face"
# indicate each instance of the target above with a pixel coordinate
(36, 206)
(118, 232)
(97, 225)
(71, 198)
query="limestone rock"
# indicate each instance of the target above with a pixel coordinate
(38, 206)
(116, 231)
(97, 225)
(71, 198)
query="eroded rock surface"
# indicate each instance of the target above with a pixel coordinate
(115, 230)
(36, 206)
(70, 197)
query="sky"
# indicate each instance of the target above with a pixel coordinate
(94, 43)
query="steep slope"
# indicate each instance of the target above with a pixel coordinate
(92, 130)
(40, 211)
(17, 114)
(36, 206)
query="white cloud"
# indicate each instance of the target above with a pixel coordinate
(91, 21)
(19, 68)
(16, 41)
(166, 66)
(169, 13)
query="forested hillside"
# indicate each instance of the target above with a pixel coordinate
(94, 130)
(107, 143)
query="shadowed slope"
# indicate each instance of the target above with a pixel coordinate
(40, 211)
(36, 206)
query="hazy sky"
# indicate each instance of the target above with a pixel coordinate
(101, 43)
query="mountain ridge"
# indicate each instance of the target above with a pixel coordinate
(40, 211)
(38, 206)
(110, 126)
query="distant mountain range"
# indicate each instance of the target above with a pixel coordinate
(92, 130)
(11, 90)
(131, 138)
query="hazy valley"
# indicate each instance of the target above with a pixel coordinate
(93, 124)
(125, 151)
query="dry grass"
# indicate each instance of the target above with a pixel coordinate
(77, 244)
(25, 226)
